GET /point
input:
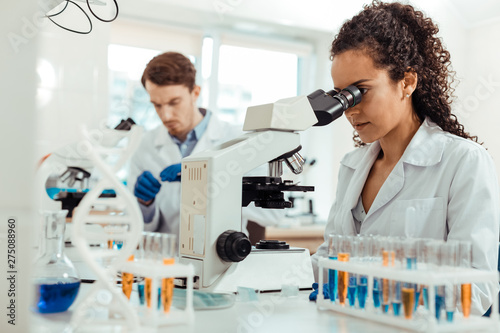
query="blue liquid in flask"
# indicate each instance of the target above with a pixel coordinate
(55, 295)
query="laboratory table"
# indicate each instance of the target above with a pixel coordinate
(271, 313)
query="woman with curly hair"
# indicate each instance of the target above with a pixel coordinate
(416, 171)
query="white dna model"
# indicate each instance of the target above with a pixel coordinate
(105, 304)
(105, 307)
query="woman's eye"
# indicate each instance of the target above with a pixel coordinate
(363, 90)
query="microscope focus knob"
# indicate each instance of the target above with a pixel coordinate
(233, 246)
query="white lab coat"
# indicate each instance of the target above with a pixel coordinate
(157, 151)
(448, 183)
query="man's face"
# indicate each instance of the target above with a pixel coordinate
(176, 107)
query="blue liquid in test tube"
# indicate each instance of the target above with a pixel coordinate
(362, 291)
(159, 298)
(351, 289)
(140, 290)
(411, 263)
(376, 293)
(417, 298)
(425, 295)
(439, 302)
(396, 302)
(332, 282)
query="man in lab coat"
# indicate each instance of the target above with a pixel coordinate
(154, 175)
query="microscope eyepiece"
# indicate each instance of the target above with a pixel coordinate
(330, 105)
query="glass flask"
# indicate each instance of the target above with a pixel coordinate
(55, 278)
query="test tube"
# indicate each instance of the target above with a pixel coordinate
(386, 254)
(156, 248)
(421, 264)
(408, 291)
(128, 280)
(343, 277)
(333, 249)
(449, 260)
(432, 263)
(362, 252)
(168, 246)
(397, 259)
(375, 255)
(353, 278)
(150, 255)
(434, 257)
(140, 256)
(464, 260)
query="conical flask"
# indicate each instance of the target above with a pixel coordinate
(55, 278)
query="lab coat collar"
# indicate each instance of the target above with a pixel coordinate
(215, 132)
(162, 136)
(361, 163)
(421, 150)
(356, 158)
(426, 147)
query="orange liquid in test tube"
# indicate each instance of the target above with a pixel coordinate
(343, 279)
(466, 299)
(128, 281)
(167, 287)
(408, 295)
(148, 284)
(385, 282)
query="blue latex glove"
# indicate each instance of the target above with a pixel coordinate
(314, 294)
(147, 187)
(171, 173)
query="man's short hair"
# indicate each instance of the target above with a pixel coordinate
(170, 68)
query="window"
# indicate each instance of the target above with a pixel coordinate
(252, 76)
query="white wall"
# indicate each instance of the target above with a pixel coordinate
(479, 103)
(17, 133)
(78, 92)
(475, 55)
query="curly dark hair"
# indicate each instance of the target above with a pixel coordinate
(400, 39)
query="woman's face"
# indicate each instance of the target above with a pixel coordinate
(383, 108)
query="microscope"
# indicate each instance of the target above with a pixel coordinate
(69, 168)
(214, 190)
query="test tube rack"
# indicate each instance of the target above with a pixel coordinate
(424, 320)
(152, 316)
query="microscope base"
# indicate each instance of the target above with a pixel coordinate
(268, 270)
